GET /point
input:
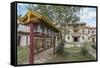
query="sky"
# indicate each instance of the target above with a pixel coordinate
(88, 15)
(21, 9)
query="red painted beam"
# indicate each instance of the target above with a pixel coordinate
(31, 46)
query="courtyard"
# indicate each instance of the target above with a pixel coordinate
(70, 54)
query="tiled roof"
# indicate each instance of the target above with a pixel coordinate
(34, 16)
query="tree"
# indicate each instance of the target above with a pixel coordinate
(60, 15)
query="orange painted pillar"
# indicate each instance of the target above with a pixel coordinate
(31, 45)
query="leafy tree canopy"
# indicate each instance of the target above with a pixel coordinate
(62, 15)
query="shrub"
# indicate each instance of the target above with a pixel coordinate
(65, 53)
(60, 48)
(85, 49)
(94, 46)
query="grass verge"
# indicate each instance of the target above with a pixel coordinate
(22, 55)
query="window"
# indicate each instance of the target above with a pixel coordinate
(83, 31)
(68, 37)
(83, 37)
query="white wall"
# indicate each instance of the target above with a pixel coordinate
(70, 38)
(85, 38)
(85, 31)
(86, 35)
(71, 31)
(23, 40)
(23, 28)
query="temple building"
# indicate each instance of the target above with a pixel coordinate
(36, 32)
(80, 33)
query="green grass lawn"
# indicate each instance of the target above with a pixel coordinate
(78, 57)
(22, 55)
(73, 55)
(72, 49)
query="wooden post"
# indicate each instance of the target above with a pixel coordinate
(54, 45)
(31, 45)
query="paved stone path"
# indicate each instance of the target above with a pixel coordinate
(43, 56)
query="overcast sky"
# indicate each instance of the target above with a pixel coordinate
(88, 15)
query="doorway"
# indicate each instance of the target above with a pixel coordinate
(75, 39)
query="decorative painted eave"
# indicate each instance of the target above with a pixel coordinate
(36, 17)
(30, 16)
